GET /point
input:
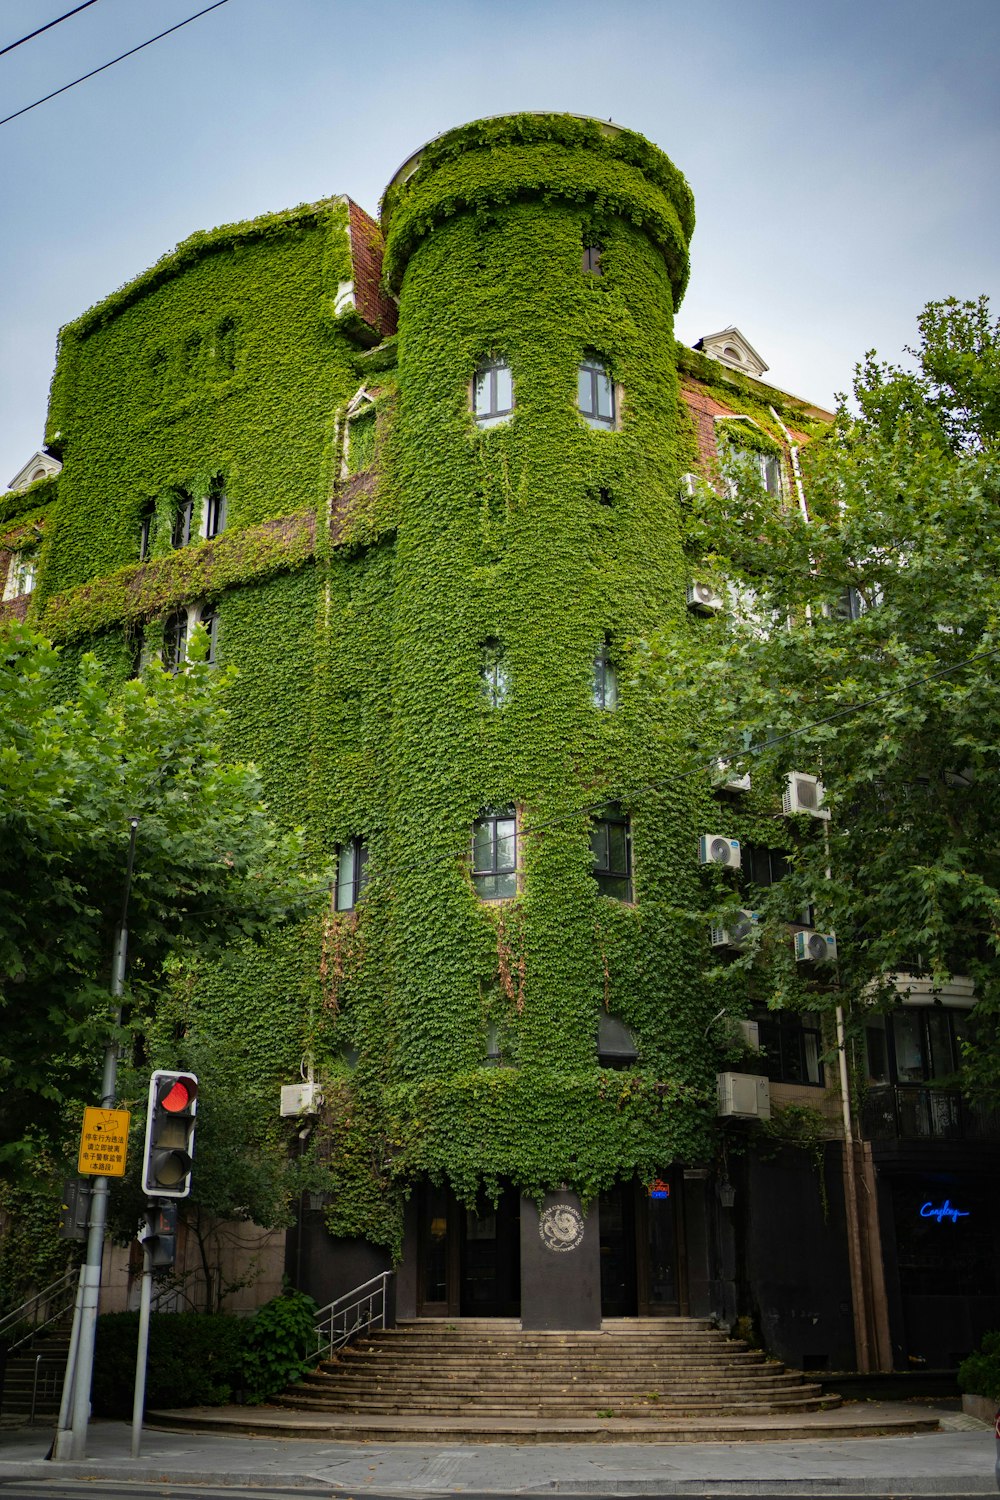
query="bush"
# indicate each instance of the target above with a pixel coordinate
(195, 1359)
(280, 1345)
(979, 1375)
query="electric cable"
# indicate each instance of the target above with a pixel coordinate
(104, 66)
(47, 27)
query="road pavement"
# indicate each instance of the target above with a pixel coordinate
(959, 1460)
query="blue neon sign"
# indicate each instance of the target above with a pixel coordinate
(928, 1211)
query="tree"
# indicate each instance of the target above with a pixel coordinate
(209, 866)
(863, 645)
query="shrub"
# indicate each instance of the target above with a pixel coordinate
(280, 1344)
(195, 1359)
(979, 1375)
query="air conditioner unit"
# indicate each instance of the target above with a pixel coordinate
(703, 598)
(743, 1096)
(726, 779)
(300, 1099)
(815, 947)
(736, 932)
(743, 1033)
(804, 794)
(716, 849)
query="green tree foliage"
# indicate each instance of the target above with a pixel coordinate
(209, 864)
(862, 645)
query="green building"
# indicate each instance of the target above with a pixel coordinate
(423, 480)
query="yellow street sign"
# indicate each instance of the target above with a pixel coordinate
(103, 1142)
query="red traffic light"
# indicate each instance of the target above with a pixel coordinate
(176, 1095)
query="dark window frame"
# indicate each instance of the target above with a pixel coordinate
(183, 521)
(791, 1047)
(215, 510)
(147, 523)
(612, 873)
(351, 886)
(592, 260)
(175, 637)
(593, 371)
(494, 678)
(495, 878)
(604, 681)
(492, 414)
(208, 619)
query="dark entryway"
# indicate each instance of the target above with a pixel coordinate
(641, 1265)
(469, 1261)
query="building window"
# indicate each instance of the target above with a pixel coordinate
(611, 845)
(208, 619)
(616, 1046)
(595, 394)
(175, 634)
(21, 573)
(791, 1046)
(493, 674)
(762, 866)
(770, 473)
(180, 532)
(492, 394)
(604, 687)
(147, 522)
(592, 259)
(215, 510)
(494, 854)
(352, 873)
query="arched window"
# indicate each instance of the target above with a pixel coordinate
(492, 394)
(595, 394)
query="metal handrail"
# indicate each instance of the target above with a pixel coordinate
(352, 1314)
(45, 1307)
(55, 1368)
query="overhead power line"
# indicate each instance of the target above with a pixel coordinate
(47, 27)
(104, 66)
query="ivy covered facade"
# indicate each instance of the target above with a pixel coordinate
(423, 480)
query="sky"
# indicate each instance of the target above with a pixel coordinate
(843, 156)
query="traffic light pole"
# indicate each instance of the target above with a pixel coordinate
(71, 1436)
(142, 1348)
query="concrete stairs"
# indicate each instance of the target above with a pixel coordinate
(486, 1374)
(33, 1379)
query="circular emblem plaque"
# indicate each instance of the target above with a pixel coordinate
(560, 1227)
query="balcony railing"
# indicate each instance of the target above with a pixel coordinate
(907, 1112)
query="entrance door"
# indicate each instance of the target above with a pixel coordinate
(468, 1262)
(642, 1271)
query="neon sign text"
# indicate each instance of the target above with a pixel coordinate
(928, 1211)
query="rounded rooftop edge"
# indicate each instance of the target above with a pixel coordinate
(489, 162)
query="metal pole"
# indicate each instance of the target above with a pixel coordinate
(142, 1349)
(71, 1441)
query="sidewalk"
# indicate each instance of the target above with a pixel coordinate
(955, 1461)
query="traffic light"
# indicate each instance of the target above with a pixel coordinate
(170, 1122)
(159, 1234)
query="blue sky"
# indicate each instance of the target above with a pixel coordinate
(843, 155)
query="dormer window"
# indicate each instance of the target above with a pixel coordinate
(493, 394)
(730, 348)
